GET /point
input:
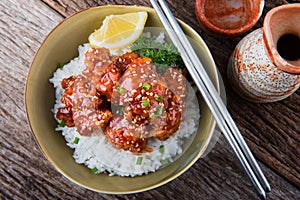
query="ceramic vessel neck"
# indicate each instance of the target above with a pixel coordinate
(283, 22)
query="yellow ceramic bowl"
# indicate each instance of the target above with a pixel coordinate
(61, 46)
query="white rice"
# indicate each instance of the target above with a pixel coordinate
(96, 152)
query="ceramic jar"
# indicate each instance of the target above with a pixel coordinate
(228, 17)
(265, 65)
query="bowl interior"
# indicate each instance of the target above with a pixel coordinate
(60, 46)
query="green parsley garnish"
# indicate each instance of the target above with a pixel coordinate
(162, 55)
(158, 98)
(165, 161)
(62, 123)
(76, 140)
(139, 160)
(94, 170)
(146, 86)
(121, 90)
(146, 103)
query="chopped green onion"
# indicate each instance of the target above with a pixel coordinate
(159, 111)
(76, 140)
(152, 115)
(146, 86)
(158, 98)
(139, 160)
(62, 123)
(120, 110)
(146, 103)
(165, 161)
(121, 90)
(60, 65)
(94, 170)
(161, 149)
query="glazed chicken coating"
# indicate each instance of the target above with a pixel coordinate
(84, 108)
(91, 112)
(103, 72)
(65, 113)
(121, 135)
(147, 102)
(151, 103)
(86, 101)
(176, 83)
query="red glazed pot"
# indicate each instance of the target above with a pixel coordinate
(228, 17)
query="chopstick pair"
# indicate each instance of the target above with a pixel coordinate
(212, 98)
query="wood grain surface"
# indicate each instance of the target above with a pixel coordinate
(271, 130)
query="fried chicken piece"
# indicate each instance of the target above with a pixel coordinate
(126, 137)
(176, 83)
(147, 100)
(90, 110)
(65, 113)
(96, 60)
(151, 103)
(103, 72)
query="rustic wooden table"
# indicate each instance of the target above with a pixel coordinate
(272, 130)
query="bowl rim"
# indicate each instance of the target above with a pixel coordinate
(146, 188)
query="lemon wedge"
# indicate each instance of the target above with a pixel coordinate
(118, 31)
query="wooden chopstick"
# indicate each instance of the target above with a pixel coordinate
(212, 98)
